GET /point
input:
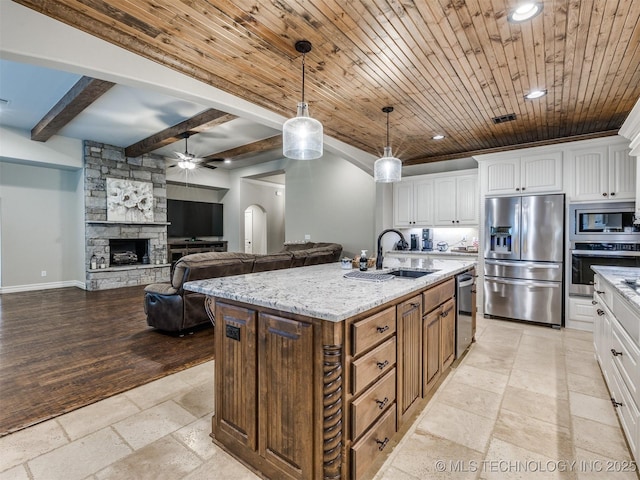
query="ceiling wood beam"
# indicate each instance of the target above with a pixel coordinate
(86, 91)
(260, 146)
(506, 148)
(196, 124)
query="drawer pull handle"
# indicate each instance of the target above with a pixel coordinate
(600, 292)
(382, 329)
(600, 312)
(381, 365)
(382, 443)
(382, 403)
(445, 313)
(415, 305)
(593, 302)
(614, 353)
(616, 404)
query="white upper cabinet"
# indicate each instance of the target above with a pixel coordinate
(413, 203)
(532, 173)
(603, 173)
(456, 200)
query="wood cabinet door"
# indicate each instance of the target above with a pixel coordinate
(445, 201)
(541, 173)
(467, 212)
(410, 350)
(403, 215)
(286, 400)
(423, 203)
(622, 173)
(590, 174)
(502, 176)
(431, 349)
(448, 333)
(236, 398)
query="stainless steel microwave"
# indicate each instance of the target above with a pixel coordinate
(604, 222)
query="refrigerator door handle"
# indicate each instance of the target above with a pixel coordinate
(528, 265)
(526, 283)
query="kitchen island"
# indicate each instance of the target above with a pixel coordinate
(315, 373)
(616, 337)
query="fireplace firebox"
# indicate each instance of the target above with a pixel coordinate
(128, 251)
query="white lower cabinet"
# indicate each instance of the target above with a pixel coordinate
(618, 354)
(581, 311)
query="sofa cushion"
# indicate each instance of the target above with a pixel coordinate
(272, 261)
(161, 289)
(199, 266)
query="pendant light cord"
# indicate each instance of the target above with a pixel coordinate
(388, 145)
(303, 56)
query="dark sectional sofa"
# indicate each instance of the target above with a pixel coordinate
(169, 307)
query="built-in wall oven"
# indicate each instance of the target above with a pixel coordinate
(601, 234)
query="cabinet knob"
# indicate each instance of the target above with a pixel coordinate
(600, 292)
(612, 194)
(593, 302)
(453, 221)
(523, 189)
(415, 305)
(616, 404)
(382, 443)
(517, 189)
(382, 403)
(382, 365)
(600, 312)
(382, 329)
(614, 353)
(605, 194)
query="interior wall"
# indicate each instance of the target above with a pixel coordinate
(264, 195)
(331, 200)
(42, 220)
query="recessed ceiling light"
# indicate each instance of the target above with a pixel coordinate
(438, 137)
(227, 160)
(525, 11)
(533, 94)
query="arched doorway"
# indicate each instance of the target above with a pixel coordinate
(255, 230)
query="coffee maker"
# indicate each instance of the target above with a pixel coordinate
(414, 241)
(427, 242)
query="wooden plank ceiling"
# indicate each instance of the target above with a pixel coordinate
(447, 66)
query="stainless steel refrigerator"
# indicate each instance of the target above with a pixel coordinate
(523, 258)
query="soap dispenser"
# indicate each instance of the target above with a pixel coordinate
(363, 261)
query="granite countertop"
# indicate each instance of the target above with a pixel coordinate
(434, 253)
(321, 291)
(615, 276)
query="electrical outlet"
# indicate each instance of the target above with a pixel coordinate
(43, 273)
(307, 236)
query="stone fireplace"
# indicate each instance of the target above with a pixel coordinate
(105, 237)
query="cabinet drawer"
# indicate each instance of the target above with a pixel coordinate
(372, 404)
(625, 356)
(438, 294)
(627, 318)
(372, 365)
(627, 412)
(373, 444)
(373, 330)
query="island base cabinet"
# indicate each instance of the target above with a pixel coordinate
(265, 406)
(431, 352)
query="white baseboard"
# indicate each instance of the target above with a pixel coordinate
(43, 286)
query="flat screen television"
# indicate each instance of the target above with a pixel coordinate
(192, 220)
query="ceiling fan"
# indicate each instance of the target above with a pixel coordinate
(188, 161)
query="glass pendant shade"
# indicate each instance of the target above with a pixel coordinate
(302, 136)
(388, 168)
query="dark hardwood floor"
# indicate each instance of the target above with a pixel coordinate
(66, 348)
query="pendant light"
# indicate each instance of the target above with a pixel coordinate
(302, 135)
(388, 168)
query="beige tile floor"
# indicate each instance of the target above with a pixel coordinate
(525, 402)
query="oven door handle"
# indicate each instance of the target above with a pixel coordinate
(603, 253)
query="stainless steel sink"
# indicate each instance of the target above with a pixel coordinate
(403, 273)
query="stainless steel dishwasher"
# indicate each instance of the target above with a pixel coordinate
(464, 333)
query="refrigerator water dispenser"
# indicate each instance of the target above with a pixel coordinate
(501, 239)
